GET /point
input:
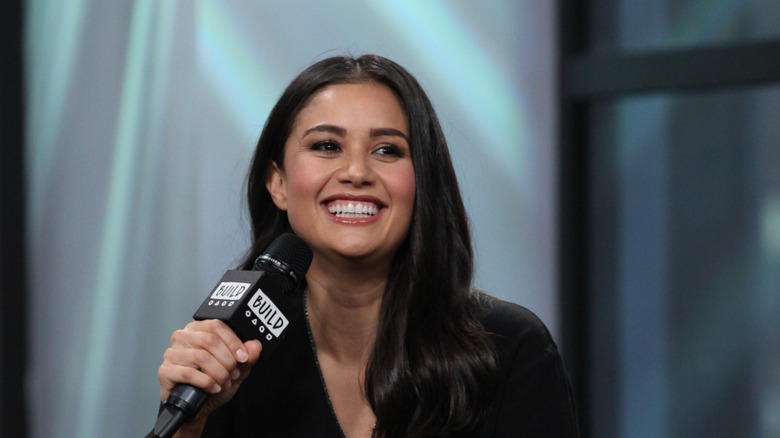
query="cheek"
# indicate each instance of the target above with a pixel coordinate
(404, 188)
(303, 180)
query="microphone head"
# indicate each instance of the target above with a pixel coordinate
(288, 254)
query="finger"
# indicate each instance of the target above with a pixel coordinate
(211, 337)
(201, 362)
(253, 348)
(226, 334)
(171, 374)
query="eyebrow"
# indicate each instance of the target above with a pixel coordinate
(337, 130)
(379, 132)
(325, 128)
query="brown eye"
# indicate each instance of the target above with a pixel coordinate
(390, 150)
(328, 146)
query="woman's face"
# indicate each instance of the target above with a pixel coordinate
(348, 183)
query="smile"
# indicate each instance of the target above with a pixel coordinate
(353, 209)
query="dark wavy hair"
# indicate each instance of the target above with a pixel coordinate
(432, 369)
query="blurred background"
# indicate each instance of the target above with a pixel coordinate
(620, 163)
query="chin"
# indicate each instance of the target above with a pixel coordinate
(360, 251)
(355, 251)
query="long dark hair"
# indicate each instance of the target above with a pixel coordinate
(432, 368)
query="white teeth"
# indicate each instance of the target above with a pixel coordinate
(353, 210)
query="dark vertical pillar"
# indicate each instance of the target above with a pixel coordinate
(572, 212)
(12, 222)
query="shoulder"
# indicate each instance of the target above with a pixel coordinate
(533, 396)
(512, 324)
(521, 339)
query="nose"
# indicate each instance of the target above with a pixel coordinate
(356, 169)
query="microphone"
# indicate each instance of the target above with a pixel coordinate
(258, 304)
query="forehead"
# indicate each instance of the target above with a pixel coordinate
(367, 103)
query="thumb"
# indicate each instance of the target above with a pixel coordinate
(253, 348)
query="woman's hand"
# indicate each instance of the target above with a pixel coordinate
(208, 355)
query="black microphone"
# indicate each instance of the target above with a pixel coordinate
(257, 304)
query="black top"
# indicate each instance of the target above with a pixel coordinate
(286, 396)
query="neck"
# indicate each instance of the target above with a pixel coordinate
(343, 312)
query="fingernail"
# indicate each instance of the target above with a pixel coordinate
(235, 374)
(216, 388)
(242, 355)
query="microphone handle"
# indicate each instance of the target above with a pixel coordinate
(182, 404)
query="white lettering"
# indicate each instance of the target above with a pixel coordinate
(268, 313)
(229, 290)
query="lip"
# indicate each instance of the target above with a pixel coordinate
(354, 199)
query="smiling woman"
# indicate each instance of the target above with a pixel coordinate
(395, 341)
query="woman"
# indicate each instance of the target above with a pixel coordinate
(395, 342)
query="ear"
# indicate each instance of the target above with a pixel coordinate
(276, 183)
